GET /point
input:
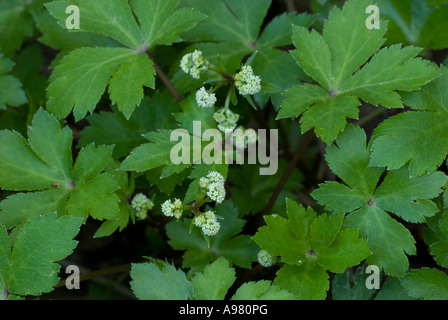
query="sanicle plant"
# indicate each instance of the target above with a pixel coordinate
(94, 118)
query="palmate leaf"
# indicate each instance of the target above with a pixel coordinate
(405, 196)
(309, 245)
(43, 164)
(84, 73)
(27, 267)
(233, 31)
(418, 137)
(11, 92)
(336, 61)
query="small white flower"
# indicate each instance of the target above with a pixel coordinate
(199, 220)
(168, 208)
(141, 215)
(232, 117)
(216, 192)
(265, 259)
(226, 127)
(215, 177)
(211, 227)
(205, 99)
(246, 82)
(178, 208)
(209, 215)
(141, 204)
(203, 183)
(219, 116)
(193, 64)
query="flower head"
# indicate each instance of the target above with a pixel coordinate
(246, 82)
(216, 192)
(141, 204)
(193, 64)
(266, 259)
(211, 227)
(208, 223)
(226, 120)
(205, 99)
(172, 209)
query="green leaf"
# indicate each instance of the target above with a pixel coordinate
(426, 284)
(43, 163)
(16, 24)
(149, 282)
(238, 249)
(351, 285)
(261, 290)
(436, 237)
(310, 245)
(126, 84)
(416, 22)
(409, 131)
(11, 92)
(80, 79)
(214, 281)
(112, 128)
(336, 61)
(308, 281)
(367, 203)
(29, 273)
(85, 73)
(159, 22)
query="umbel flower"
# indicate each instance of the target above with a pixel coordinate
(226, 119)
(194, 64)
(141, 204)
(205, 99)
(208, 223)
(172, 209)
(246, 82)
(266, 259)
(213, 186)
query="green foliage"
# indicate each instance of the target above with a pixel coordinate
(153, 282)
(310, 245)
(426, 284)
(229, 243)
(367, 203)
(22, 271)
(99, 142)
(332, 60)
(43, 164)
(84, 73)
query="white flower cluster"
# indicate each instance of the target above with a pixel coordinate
(266, 259)
(208, 223)
(226, 120)
(246, 82)
(141, 204)
(194, 64)
(213, 186)
(172, 209)
(205, 99)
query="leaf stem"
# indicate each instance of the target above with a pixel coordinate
(166, 81)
